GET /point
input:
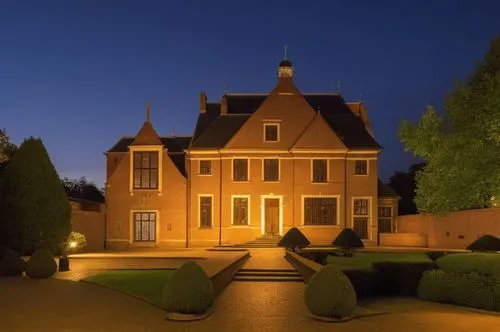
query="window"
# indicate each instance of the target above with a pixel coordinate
(145, 170)
(144, 226)
(240, 169)
(205, 167)
(271, 169)
(385, 219)
(240, 211)
(319, 171)
(320, 211)
(205, 211)
(360, 220)
(271, 132)
(361, 167)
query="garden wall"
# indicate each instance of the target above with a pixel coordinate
(455, 230)
(88, 218)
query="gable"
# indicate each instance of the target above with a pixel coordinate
(319, 135)
(147, 135)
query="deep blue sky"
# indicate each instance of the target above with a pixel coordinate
(78, 73)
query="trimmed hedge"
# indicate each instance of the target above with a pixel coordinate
(347, 240)
(486, 264)
(363, 282)
(189, 290)
(41, 264)
(293, 238)
(12, 264)
(467, 289)
(330, 294)
(485, 243)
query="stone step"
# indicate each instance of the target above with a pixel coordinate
(267, 270)
(269, 278)
(268, 274)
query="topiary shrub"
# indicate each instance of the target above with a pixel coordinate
(293, 239)
(486, 264)
(473, 290)
(329, 293)
(41, 264)
(188, 291)
(434, 255)
(436, 285)
(12, 264)
(35, 209)
(348, 240)
(485, 243)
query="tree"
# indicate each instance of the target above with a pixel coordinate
(7, 150)
(462, 148)
(404, 183)
(83, 189)
(35, 209)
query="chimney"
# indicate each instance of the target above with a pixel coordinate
(223, 105)
(203, 102)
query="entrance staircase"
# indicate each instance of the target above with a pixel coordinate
(266, 241)
(274, 275)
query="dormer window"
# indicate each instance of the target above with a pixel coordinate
(146, 170)
(271, 132)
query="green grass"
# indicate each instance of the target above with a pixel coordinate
(147, 285)
(364, 260)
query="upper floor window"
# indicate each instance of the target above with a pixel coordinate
(146, 170)
(361, 167)
(271, 169)
(205, 167)
(271, 132)
(240, 169)
(319, 170)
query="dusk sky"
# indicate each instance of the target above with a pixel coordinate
(78, 73)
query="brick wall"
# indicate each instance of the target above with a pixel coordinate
(88, 218)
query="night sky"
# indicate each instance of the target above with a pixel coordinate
(78, 73)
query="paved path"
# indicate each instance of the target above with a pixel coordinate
(59, 305)
(267, 258)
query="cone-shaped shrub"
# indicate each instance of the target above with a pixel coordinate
(485, 243)
(348, 240)
(189, 290)
(293, 238)
(41, 265)
(12, 264)
(35, 209)
(329, 293)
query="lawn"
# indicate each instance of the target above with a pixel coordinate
(364, 260)
(147, 285)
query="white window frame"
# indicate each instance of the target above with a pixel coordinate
(248, 208)
(367, 167)
(303, 210)
(311, 175)
(263, 170)
(278, 129)
(211, 210)
(369, 216)
(248, 169)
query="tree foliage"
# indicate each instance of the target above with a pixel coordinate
(7, 149)
(83, 189)
(35, 210)
(404, 183)
(462, 157)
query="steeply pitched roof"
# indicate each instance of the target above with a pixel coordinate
(384, 190)
(214, 130)
(147, 135)
(175, 149)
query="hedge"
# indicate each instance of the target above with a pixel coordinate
(486, 264)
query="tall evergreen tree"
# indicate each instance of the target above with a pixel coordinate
(463, 158)
(36, 212)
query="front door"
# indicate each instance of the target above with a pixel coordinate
(272, 216)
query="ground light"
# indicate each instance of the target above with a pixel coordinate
(64, 259)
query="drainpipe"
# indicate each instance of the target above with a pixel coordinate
(293, 192)
(220, 198)
(345, 191)
(188, 197)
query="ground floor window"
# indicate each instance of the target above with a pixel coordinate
(361, 217)
(320, 211)
(385, 219)
(240, 211)
(145, 226)
(206, 211)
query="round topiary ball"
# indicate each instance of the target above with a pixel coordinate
(41, 265)
(12, 264)
(189, 290)
(329, 293)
